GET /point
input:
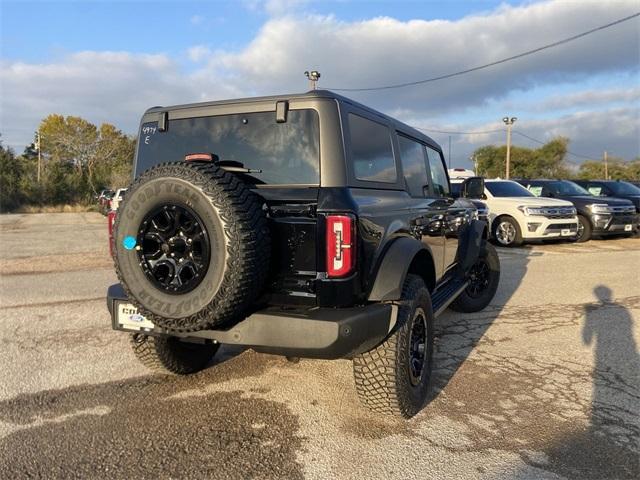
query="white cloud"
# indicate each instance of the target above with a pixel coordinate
(385, 51)
(114, 87)
(198, 53)
(590, 98)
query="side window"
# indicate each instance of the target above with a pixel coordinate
(371, 150)
(438, 173)
(595, 189)
(536, 190)
(414, 166)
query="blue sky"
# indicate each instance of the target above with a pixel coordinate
(109, 60)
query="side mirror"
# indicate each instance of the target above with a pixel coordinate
(473, 188)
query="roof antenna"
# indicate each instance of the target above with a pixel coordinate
(313, 77)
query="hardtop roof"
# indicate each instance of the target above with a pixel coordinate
(311, 94)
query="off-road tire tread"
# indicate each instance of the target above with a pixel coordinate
(247, 237)
(377, 382)
(157, 355)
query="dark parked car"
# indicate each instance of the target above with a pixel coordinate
(613, 188)
(302, 225)
(596, 215)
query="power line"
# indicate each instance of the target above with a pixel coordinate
(544, 143)
(492, 64)
(479, 132)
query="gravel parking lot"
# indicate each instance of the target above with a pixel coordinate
(543, 384)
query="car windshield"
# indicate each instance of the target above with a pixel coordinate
(507, 189)
(569, 189)
(456, 188)
(623, 188)
(279, 153)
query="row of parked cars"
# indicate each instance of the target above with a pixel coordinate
(522, 210)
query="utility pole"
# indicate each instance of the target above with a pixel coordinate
(474, 159)
(37, 145)
(509, 123)
(606, 167)
(313, 77)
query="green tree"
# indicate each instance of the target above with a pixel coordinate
(617, 169)
(547, 161)
(633, 169)
(10, 180)
(96, 156)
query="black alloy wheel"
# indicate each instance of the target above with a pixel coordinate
(479, 278)
(417, 347)
(174, 248)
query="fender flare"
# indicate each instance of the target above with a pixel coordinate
(394, 268)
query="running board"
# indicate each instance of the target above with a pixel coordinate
(447, 294)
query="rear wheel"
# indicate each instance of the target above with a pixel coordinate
(169, 355)
(394, 377)
(584, 229)
(506, 232)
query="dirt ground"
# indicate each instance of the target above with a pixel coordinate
(545, 383)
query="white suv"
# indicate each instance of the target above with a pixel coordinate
(517, 215)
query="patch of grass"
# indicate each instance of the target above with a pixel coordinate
(61, 208)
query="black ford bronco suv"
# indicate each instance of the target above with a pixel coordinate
(302, 225)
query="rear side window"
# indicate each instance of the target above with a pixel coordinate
(281, 153)
(439, 178)
(371, 150)
(536, 190)
(595, 190)
(414, 167)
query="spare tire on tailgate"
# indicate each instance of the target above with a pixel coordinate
(191, 246)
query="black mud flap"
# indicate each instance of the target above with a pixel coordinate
(471, 242)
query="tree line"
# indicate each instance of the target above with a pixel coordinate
(78, 159)
(549, 161)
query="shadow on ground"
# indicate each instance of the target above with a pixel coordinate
(152, 427)
(535, 406)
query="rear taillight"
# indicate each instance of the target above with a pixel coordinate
(341, 245)
(111, 218)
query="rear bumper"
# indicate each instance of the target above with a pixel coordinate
(328, 333)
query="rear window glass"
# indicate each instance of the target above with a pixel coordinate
(371, 150)
(286, 153)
